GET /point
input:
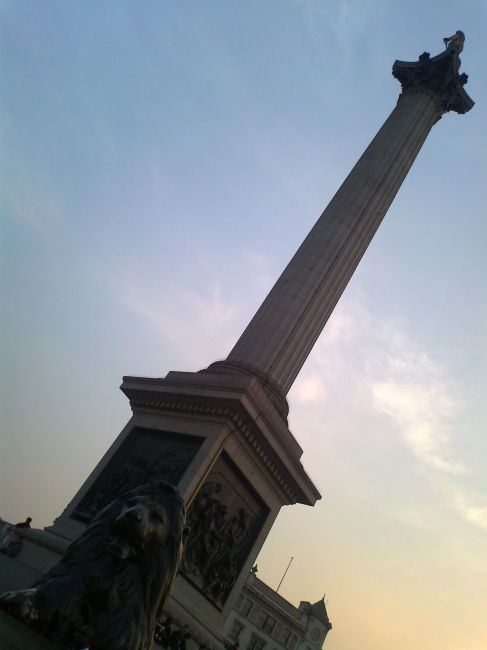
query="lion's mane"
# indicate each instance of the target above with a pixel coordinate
(95, 598)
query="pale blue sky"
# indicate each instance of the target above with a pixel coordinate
(162, 161)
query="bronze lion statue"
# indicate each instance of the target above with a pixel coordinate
(114, 581)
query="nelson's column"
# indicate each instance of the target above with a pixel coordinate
(221, 434)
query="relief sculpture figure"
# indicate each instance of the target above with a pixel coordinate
(214, 542)
(134, 472)
(200, 521)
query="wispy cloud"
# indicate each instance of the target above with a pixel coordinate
(171, 312)
(349, 21)
(472, 507)
(311, 389)
(387, 374)
(29, 196)
(415, 394)
(201, 323)
(394, 377)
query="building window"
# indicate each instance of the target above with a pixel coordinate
(239, 602)
(266, 622)
(255, 643)
(246, 607)
(237, 627)
(293, 642)
(284, 638)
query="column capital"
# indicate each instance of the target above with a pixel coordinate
(440, 75)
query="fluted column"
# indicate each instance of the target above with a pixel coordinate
(282, 333)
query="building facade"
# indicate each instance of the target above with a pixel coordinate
(262, 619)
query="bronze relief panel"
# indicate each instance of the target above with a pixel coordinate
(225, 518)
(146, 455)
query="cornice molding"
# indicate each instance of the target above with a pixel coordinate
(245, 428)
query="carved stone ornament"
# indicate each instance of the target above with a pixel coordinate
(145, 456)
(224, 519)
(439, 75)
(113, 583)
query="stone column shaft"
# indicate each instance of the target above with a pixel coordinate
(283, 331)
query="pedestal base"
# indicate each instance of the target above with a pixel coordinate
(219, 438)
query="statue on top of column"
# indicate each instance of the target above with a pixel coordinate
(455, 42)
(439, 75)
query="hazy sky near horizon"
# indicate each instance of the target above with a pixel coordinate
(161, 163)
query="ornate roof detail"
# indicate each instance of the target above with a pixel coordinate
(318, 610)
(439, 75)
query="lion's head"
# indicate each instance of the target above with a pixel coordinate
(115, 579)
(143, 525)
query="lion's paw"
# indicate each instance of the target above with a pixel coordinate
(21, 604)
